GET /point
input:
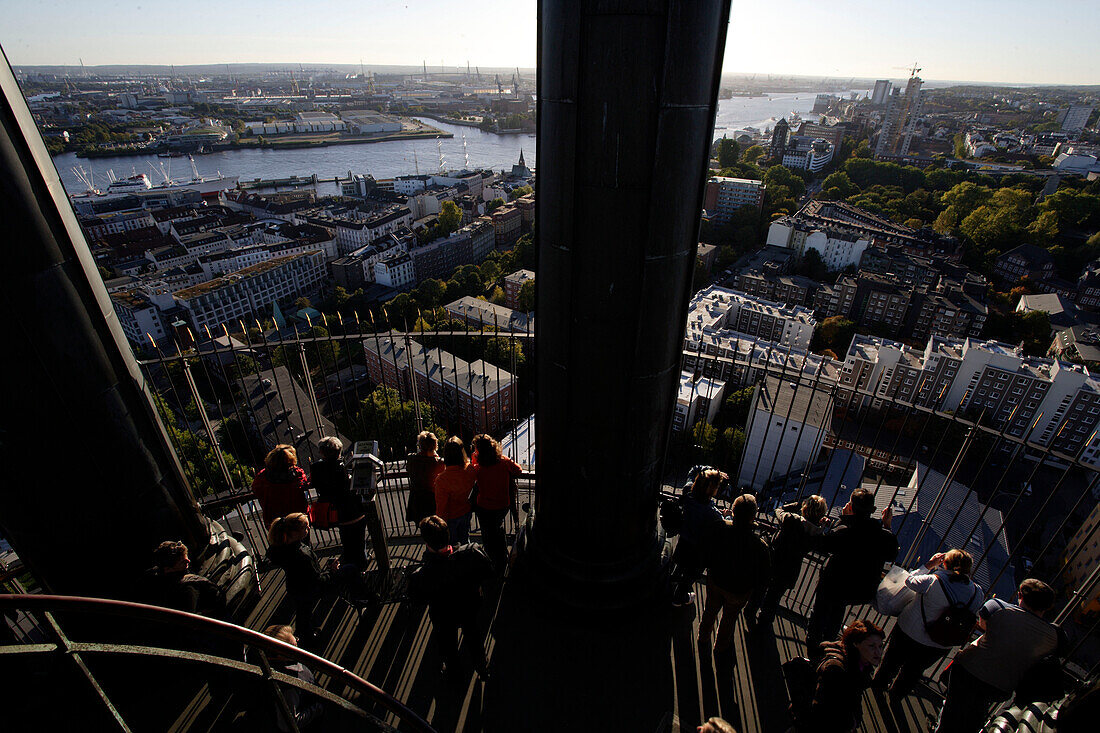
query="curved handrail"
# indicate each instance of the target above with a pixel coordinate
(223, 629)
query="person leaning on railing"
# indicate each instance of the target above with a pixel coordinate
(305, 580)
(281, 486)
(422, 468)
(453, 486)
(332, 481)
(495, 497)
(944, 583)
(799, 525)
(857, 550)
(1015, 637)
(699, 512)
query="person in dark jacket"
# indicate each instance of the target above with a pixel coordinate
(450, 584)
(857, 550)
(738, 564)
(842, 676)
(422, 468)
(305, 580)
(281, 486)
(330, 478)
(171, 586)
(700, 512)
(799, 526)
(306, 709)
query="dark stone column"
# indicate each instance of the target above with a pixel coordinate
(627, 94)
(90, 484)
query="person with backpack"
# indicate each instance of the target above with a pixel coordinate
(1015, 637)
(738, 564)
(698, 512)
(333, 483)
(942, 616)
(857, 550)
(281, 487)
(450, 584)
(799, 526)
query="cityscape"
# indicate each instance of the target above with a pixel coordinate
(880, 292)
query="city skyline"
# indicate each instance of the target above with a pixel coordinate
(984, 42)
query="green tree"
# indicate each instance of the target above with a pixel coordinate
(302, 302)
(430, 293)
(736, 406)
(781, 175)
(834, 333)
(728, 152)
(526, 297)
(393, 420)
(504, 352)
(519, 191)
(323, 354)
(450, 217)
(752, 154)
(494, 205)
(497, 296)
(198, 457)
(838, 186)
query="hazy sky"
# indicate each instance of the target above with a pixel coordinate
(980, 40)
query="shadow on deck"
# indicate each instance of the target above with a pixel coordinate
(554, 669)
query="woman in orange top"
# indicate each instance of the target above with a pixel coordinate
(496, 496)
(453, 486)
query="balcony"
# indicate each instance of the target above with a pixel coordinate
(953, 482)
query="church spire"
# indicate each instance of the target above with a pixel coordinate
(521, 158)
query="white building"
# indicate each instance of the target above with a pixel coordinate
(838, 249)
(698, 400)
(786, 429)
(395, 271)
(476, 313)
(716, 309)
(1076, 117)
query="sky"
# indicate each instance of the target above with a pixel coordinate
(1004, 41)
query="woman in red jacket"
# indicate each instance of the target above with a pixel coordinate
(496, 496)
(281, 487)
(452, 490)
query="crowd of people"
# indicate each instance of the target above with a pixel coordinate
(746, 571)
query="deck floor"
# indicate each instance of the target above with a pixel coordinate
(553, 669)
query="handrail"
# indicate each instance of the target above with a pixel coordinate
(129, 609)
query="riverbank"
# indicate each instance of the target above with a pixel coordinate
(297, 141)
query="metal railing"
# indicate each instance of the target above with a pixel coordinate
(336, 686)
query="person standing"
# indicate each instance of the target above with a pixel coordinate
(495, 497)
(738, 564)
(857, 550)
(699, 513)
(422, 468)
(989, 669)
(289, 550)
(944, 583)
(453, 486)
(841, 678)
(450, 583)
(332, 481)
(306, 709)
(799, 526)
(281, 486)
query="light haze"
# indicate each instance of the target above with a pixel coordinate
(1003, 41)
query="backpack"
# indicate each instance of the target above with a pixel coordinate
(672, 516)
(955, 623)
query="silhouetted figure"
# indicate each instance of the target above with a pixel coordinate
(332, 481)
(716, 725)
(281, 486)
(168, 583)
(305, 580)
(306, 708)
(450, 584)
(987, 670)
(857, 550)
(495, 497)
(422, 468)
(699, 513)
(799, 526)
(738, 564)
(453, 486)
(842, 676)
(943, 586)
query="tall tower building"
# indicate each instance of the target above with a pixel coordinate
(902, 115)
(780, 135)
(881, 93)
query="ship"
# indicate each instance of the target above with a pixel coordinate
(140, 183)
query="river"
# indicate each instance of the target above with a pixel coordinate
(388, 159)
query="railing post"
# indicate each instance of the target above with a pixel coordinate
(214, 445)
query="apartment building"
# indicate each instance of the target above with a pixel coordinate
(790, 290)
(724, 196)
(513, 284)
(395, 271)
(507, 224)
(786, 429)
(716, 309)
(251, 292)
(698, 400)
(478, 396)
(476, 313)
